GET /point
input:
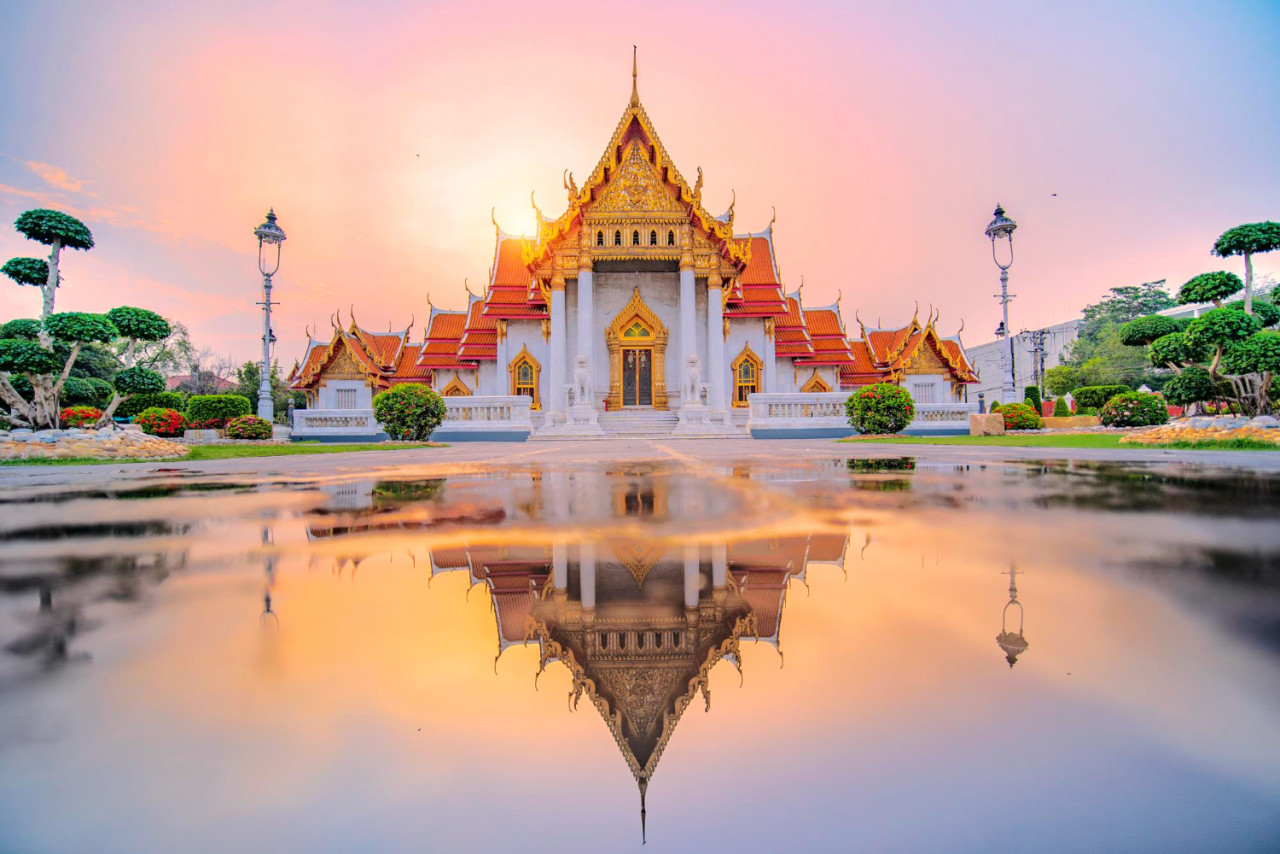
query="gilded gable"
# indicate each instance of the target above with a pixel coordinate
(927, 361)
(344, 367)
(636, 188)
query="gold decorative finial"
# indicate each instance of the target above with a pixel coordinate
(466, 284)
(308, 333)
(429, 305)
(697, 187)
(354, 323)
(493, 217)
(635, 93)
(915, 318)
(644, 787)
(839, 296)
(535, 208)
(961, 329)
(775, 217)
(570, 185)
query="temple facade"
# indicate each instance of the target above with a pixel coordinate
(635, 302)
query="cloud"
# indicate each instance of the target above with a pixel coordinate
(57, 177)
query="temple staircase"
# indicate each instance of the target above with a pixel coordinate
(638, 424)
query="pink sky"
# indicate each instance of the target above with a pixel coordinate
(884, 137)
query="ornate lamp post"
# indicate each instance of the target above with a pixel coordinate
(1001, 231)
(270, 236)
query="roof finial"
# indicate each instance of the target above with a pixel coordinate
(466, 285)
(413, 318)
(635, 93)
(644, 787)
(839, 296)
(493, 218)
(429, 305)
(308, 333)
(355, 323)
(775, 218)
(915, 318)
(961, 329)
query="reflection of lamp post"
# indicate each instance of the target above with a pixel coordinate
(1001, 229)
(1013, 644)
(269, 620)
(270, 236)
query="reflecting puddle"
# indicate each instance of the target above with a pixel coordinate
(903, 656)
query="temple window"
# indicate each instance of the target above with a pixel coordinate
(344, 398)
(617, 238)
(524, 370)
(635, 238)
(671, 238)
(746, 376)
(604, 640)
(599, 238)
(653, 238)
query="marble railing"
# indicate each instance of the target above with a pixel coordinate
(934, 415)
(334, 421)
(490, 412)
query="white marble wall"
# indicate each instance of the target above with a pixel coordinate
(329, 396)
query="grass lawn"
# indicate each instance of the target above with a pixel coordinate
(1073, 440)
(227, 452)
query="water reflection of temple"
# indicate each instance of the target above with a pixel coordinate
(638, 620)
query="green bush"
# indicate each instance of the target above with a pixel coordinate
(248, 427)
(79, 416)
(1020, 416)
(86, 391)
(1134, 409)
(1033, 399)
(1096, 396)
(1060, 408)
(1086, 410)
(995, 407)
(1144, 330)
(161, 422)
(160, 399)
(1191, 386)
(409, 412)
(880, 408)
(1208, 287)
(219, 408)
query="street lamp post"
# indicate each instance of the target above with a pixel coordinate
(1001, 230)
(270, 236)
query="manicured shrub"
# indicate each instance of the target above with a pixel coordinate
(1033, 398)
(1060, 408)
(79, 416)
(161, 422)
(995, 407)
(86, 391)
(880, 408)
(409, 412)
(1019, 416)
(219, 408)
(248, 427)
(1096, 396)
(160, 399)
(1134, 409)
(1144, 330)
(1193, 385)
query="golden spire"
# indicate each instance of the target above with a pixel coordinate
(644, 786)
(635, 93)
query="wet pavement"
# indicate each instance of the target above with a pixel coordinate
(703, 645)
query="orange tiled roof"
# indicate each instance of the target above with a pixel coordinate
(480, 337)
(408, 369)
(826, 333)
(444, 336)
(382, 348)
(757, 293)
(791, 336)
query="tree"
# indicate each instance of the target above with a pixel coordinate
(1248, 240)
(248, 377)
(1123, 304)
(1099, 355)
(37, 357)
(57, 231)
(1060, 380)
(1225, 353)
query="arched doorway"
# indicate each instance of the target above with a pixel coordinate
(637, 343)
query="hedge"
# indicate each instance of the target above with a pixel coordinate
(1096, 396)
(217, 407)
(1134, 409)
(159, 400)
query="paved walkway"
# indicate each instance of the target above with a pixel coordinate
(468, 456)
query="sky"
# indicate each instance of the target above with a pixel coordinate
(1122, 137)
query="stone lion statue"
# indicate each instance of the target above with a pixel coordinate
(582, 380)
(691, 391)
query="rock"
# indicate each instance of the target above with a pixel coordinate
(20, 431)
(1266, 422)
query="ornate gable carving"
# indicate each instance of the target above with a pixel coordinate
(926, 360)
(636, 188)
(344, 366)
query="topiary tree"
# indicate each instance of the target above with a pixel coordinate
(1267, 313)
(1218, 328)
(1191, 386)
(58, 231)
(1060, 408)
(1248, 240)
(880, 408)
(1032, 398)
(45, 369)
(1210, 287)
(86, 391)
(138, 327)
(1144, 330)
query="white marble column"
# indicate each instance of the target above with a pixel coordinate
(587, 574)
(688, 319)
(719, 564)
(501, 368)
(586, 316)
(716, 369)
(553, 399)
(770, 358)
(691, 576)
(560, 565)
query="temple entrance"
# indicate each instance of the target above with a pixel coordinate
(637, 377)
(637, 343)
